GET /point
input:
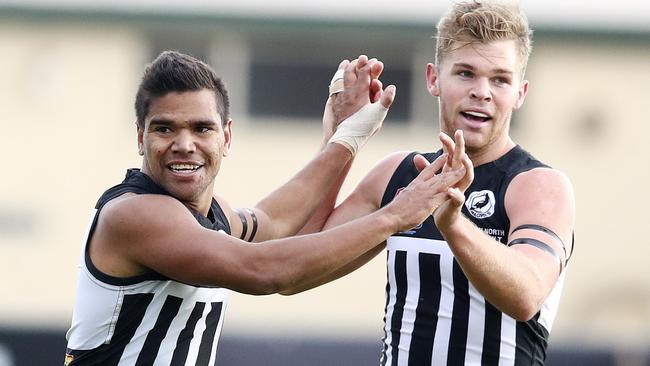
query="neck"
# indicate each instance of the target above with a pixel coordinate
(201, 204)
(491, 152)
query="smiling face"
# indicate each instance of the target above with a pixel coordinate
(182, 143)
(478, 86)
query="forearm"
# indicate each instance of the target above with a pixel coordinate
(321, 215)
(327, 277)
(298, 263)
(290, 206)
(505, 277)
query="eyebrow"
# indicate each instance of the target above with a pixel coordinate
(499, 71)
(169, 122)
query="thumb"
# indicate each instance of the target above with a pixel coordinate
(388, 96)
(420, 162)
(457, 197)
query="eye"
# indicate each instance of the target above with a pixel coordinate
(501, 81)
(162, 129)
(465, 73)
(202, 129)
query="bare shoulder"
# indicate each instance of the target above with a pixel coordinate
(542, 196)
(137, 233)
(134, 227)
(142, 212)
(373, 185)
(544, 183)
(382, 171)
(231, 215)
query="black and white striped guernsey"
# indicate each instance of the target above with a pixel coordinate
(147, 319)
(433, 314)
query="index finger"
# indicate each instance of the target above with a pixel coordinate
(448, 146)
(430, 170)
(459, 150)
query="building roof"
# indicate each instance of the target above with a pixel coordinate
(580, 15)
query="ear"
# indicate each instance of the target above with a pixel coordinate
(140, 139)
(227, 133)
(521, 94)
(432, 80)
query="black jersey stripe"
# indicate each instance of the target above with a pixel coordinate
(459, 318)
(401, 287)
(185, 337)
(133, 309)
(531, 344)
(426, 313)
(211, 324)
(491, 336)
(156, 335)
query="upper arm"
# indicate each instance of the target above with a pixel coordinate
(367, 195)
(542, 197)
(234, 216)
(159, 233)
(249, 224)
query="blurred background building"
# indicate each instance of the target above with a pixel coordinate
(68, 74)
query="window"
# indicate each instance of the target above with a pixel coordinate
(291, 80)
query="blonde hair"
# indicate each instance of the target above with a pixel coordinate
(482, 22)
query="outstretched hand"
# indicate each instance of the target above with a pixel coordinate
(426, 192)
(361, 86)
(450, 210)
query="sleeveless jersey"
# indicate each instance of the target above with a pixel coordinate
(433, 314)
(147, 319)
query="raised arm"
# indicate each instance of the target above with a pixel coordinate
(288, 208)
(367, 196)
(516, 278)
(167, 239)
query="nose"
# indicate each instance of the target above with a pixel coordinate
(481, 90)
(183, 143)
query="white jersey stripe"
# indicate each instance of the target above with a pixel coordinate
(178, 323)
(550, 306)
(132, 349)
(392, 298)
(476, 327)
(213, 353)
(508, 341)
(420, 245)
(441, 340)
(412, 296)
(198, 334)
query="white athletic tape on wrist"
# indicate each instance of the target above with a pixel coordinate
(355, 130)
(336, 85)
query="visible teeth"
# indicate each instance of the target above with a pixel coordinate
(184, 167)
(478, 114)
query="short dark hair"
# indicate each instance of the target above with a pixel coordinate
(173, 71)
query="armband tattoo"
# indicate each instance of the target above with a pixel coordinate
(244, 224)
(544, 230)
(540, 245)
(254, 229)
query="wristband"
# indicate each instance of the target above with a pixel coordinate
(336, 85)
(355, 130)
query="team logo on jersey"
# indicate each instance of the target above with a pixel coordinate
(480, 204)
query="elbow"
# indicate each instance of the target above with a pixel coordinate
(524, 308)
(261, 285)
(289, 291)
(524, 313)
(260, 280)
